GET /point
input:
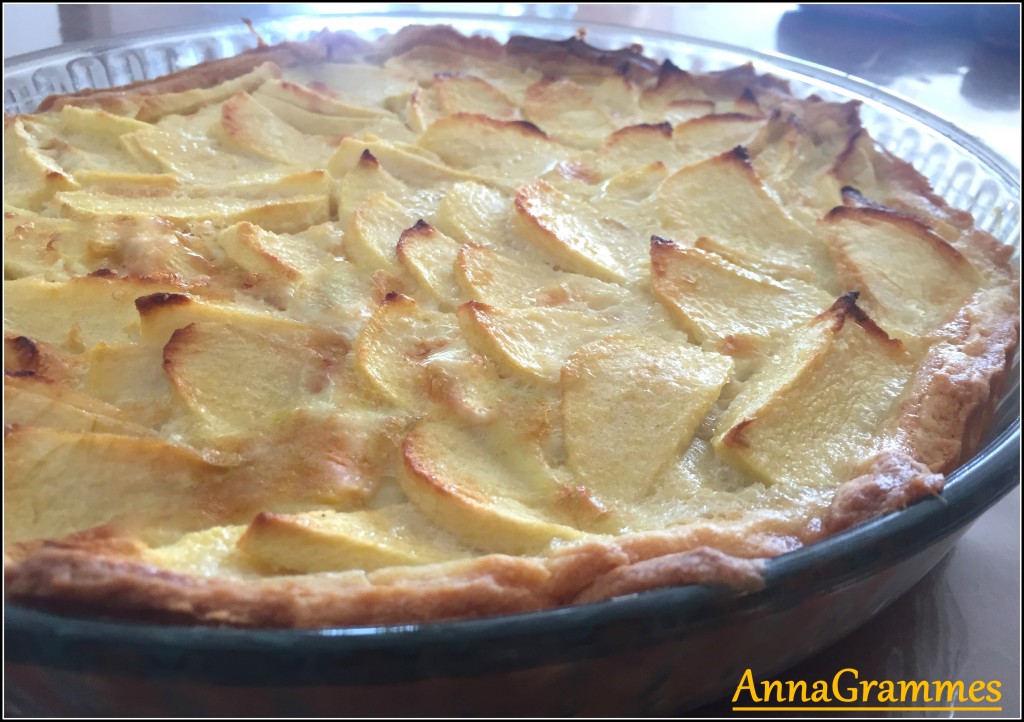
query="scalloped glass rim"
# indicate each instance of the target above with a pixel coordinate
(895, 122)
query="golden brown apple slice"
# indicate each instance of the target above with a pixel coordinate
(429, 256)
(575, 236)
(630, 404)
(710, 135)
(734, 310)
(363, 180)
(25, 357)
(530, 342)
(313, 124)
(283, 214)
(79, 313)
(502, 281)
(313, 101)
(36, 401)
(392, 348)
(253, 128)
(372, 236)
(131, 377)
(514, 151)
(190, 159)
(30, 178)
(207, 553)
(412, 165)
(47, 473)
(638, 145)
(31, 245)
(243, 378)
(474, 213)
(817, 409)
(155, 106)
(567, 112)
(484, 499)
(329, 541)
(724, 200)
(451, 93)
(910, 279)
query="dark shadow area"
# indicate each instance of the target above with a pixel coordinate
(881, 43)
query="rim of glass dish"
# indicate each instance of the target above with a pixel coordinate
(975, 486)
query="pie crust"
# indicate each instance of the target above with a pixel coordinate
(338, 332)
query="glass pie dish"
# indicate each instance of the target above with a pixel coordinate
(664, 649)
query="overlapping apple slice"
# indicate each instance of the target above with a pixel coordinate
(474, 213)
(429, 256)
(30, 177)
(630, 404)
(452, 93)
(190, 159)
(512, 151)
(318, 125)
(47, 473)
(79, 313)
(372, 236)
(567, 112)
(710, 135)
(393, 346)
(479, 492)
(243, 372)
(576, 236)
(288, 209)
(502, 281)
(154, 106)
(726, 307)
(911, 280)
(328, 541)
(131, 377)
(251, 127)
(724, 200)
(532, 343)
(37, 401)
(815, 411)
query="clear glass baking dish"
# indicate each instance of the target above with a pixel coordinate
(681, 646)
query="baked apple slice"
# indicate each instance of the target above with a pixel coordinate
(723, 199)
(47, 472)
(910, 279)
(532, 343)
(330, 541)
(486, 499)
(252, 128)
(498, 280)
(79, 313)
(392, 348)
(574, 235)
(372, 236)
(567, 112)
(244, 378)
(630, 405)
(429, 256)
(710, 135)
(734, 310)
(512, 151)
(816, 410)
(36, 401)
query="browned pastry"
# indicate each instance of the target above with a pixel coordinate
(339, 332)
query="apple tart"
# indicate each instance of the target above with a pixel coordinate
(435, 327)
